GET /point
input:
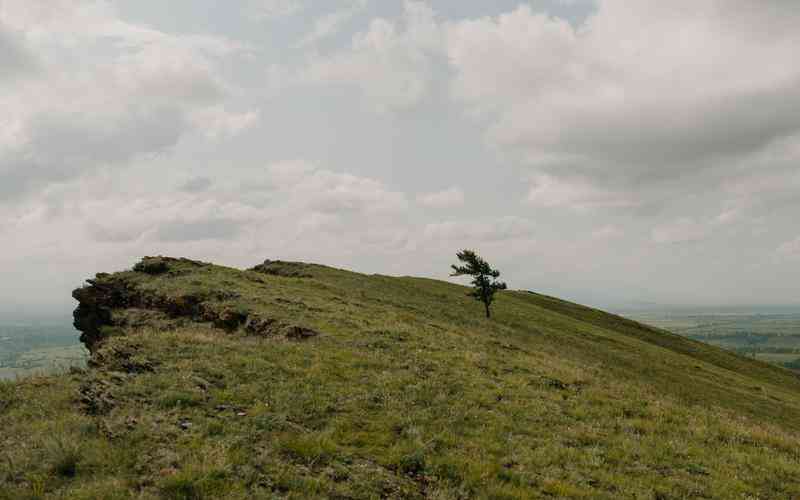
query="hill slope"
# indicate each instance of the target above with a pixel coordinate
(301, 381)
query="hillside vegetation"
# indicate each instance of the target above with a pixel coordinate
(301, 381)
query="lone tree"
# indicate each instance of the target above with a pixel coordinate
(484, 277)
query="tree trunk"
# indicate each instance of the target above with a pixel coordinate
(488, 314)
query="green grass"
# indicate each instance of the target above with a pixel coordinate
(408, 392)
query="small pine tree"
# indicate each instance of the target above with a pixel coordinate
(484, 277)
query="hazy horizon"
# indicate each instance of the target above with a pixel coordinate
(606, 152)
(58, 314)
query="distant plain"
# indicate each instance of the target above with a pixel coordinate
(31, 348)
(769, 335)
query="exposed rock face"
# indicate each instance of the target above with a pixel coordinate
(96, 303)
(109, 303)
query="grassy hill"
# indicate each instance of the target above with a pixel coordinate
(301, 381)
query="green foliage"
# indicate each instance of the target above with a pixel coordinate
(404, 394)
(484, 278)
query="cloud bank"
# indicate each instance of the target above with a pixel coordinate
(645, 150)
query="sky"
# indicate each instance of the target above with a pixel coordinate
(610, 152)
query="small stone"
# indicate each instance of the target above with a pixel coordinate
(186, 425)
(241, 414)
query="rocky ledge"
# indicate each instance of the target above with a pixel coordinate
(111, 303)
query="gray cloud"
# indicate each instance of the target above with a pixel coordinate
(62, 147)
(113, 234)
(212, 229)
(672, 97)
(270, 10)
(481, 231)
(15, 59)
(77, 115)
(448, 198)
(197, 185)
(391, 63)
(649, 136)
(644, 150)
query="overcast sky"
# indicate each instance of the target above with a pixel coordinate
(608, 151)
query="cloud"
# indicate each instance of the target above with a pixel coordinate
(480, 231)
(111, 234)
(325, 191)
(451, 197)
(270, 10)
(625, 131)
(291, 198)
(611, 114)
(216, 122)
(684, 230)
(15, 59)
(197, 185)
(79, 114)
(579, 194)
(210, 229)
(790, 249)
(142, 218)
(607, 232)
(330, 24)
(638, 95)
(391, 64)
(55, 147)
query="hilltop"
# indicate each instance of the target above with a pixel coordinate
(294, 380)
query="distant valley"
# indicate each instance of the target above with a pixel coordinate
(772, 335)
(31, 348)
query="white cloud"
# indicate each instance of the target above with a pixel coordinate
(270, 10)
(216, 122)
(168, 217)
(611, 113)
(284, 203)
(80, 112)
(480, 231)
(331, 192)
(330, 24)
(650, 123)
(449, 198)
(390, 64)
(643, 92)
(578, 194)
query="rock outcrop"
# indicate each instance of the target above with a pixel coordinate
(111, 303)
